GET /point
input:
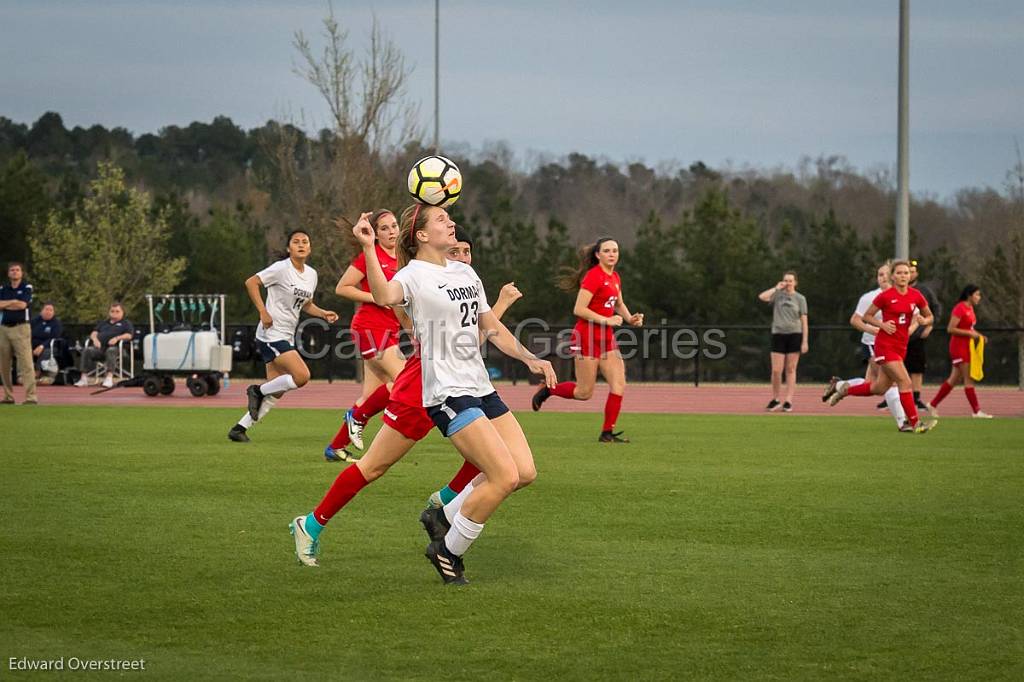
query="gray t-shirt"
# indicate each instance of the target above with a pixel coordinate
(786, 311)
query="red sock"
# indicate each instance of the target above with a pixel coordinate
(907, 401)
(566, 389)
(466, 474)
(349, 482)
(377, 401)
(341, 438)
(972, 398)
(611, 411)
(860, 390)
(944, 390)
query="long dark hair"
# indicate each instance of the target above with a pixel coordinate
(968, 292)
(570, 278)
(281, 255)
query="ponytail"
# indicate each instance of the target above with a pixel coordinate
(571, 278)
(968, 291)
(413, 219)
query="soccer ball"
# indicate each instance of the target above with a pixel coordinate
(436, 181)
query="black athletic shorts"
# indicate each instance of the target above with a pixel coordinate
(787, 343)
(490, 406)
(269, 350)
(916, 360)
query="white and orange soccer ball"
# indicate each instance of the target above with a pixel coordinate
(436, 181)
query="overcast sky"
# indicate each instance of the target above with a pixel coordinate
(747, 82)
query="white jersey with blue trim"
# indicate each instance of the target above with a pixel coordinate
(862, 307)
(444, 304)
(287, 291)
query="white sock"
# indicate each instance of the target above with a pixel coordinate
(268, 403)
(892, 401)
(246, 421)
(850, 383)
(462, 534)
(453, 507)
(279, 385)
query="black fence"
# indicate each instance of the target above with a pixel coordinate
(676, 353)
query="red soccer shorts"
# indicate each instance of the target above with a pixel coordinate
(371, 341)
(592, 340)
(411, 422)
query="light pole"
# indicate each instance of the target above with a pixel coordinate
(437, 76)
(902, 156)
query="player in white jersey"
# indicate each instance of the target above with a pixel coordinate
(290, 285)
(446, 302)
(867, 339)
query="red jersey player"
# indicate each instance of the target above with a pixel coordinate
(899, 305)
(376, 332)
(599, 310)
(961, 331)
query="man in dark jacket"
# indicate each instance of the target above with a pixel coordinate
(46, 330)
(105, 339)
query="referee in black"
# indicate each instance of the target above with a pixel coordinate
(917, 356)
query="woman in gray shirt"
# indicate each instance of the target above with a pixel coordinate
(789, 337)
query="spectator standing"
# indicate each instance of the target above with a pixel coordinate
(46, 329)
(789, 337)
(16, 334)
(105, 339)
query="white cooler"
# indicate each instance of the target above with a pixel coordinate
(185, 351)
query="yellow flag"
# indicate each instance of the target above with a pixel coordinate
(977, 359)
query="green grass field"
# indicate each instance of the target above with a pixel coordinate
(711, 547)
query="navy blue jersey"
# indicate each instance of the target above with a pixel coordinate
(23, 292)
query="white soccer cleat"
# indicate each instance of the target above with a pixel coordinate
(306, 548)
(981, 415)
(355, 430)
(108, 383)
(434, 501)
(931, 410)
(841, 388)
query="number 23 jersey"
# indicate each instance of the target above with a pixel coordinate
(444, 304)
(287, 291)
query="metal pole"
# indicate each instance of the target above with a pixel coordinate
(902, 155)
(437, 76)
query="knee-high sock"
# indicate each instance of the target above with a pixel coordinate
(855, 382)
(861, 390)
(283, 383)
(462, 534)
(892, 401)
(612, 406)
(566, 389)
(944, 390)
(349, 482)
(455, 506)
(268, 404)
(341, 438)
(376, 402)
(972, 398)
(907, 400)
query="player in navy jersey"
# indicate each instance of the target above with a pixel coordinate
(900, 304)
(599, 310)
(290, 285)
(448, 307)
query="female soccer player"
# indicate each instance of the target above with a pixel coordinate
(290, 285)
(899, 305)
(376, 331)
(961, 331)
(789, 337)
(448, 309)
(599, 309)
(892, 395)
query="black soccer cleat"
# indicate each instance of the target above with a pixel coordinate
(787, 406)
(610, 437)
(539, 397)
(255, 396)
(772, 405)
(435, 523)
(448, 566)
(237, 434)
(882, 405)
